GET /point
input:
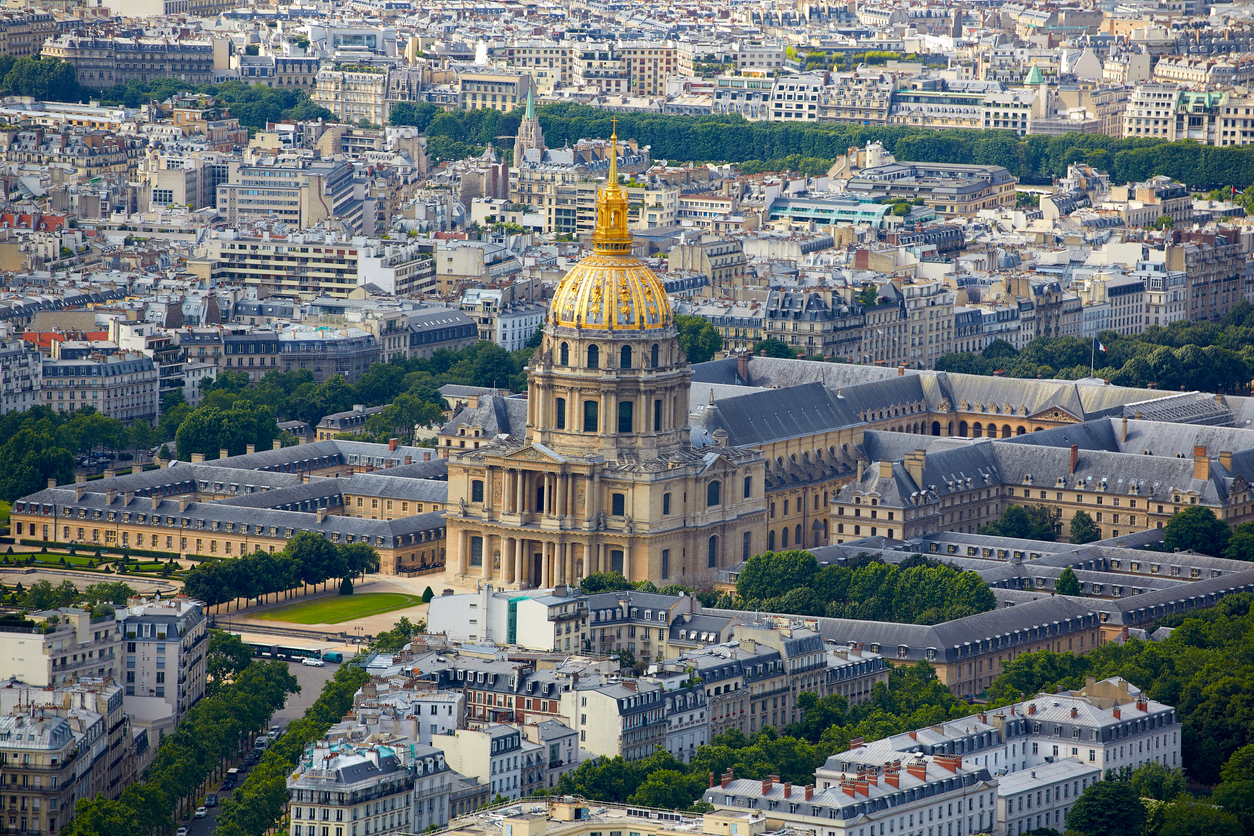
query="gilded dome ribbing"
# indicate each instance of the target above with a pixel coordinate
(611, 288)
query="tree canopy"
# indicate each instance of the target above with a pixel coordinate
(698, 339)
(1083, 529)
(915, 592)
(1024, 522)
(1197, 529)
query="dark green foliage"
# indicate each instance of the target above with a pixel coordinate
(791, 582)
(1108, 808)
(1204, 669)
(1025, 522)
(211, 731)
(1197, 529)
(1068, 583)
(427, 595)
(346, 586)
(698, 339)
(1188, 816)
(1083, 529)
(604, 582)
(1241, 544)
(390, 641)
(308, 558)
(772, 347)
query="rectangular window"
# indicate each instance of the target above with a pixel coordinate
(618, 504)
(657, 416)
(590, 416)
(561, 413)
(624, 417)
(747, 551)
(476, 551)
(476, 490)
(666, 563)
(666, 503)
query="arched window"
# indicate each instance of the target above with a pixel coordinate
(713, 561)
(653, 356)
(713, 493)
(594, 357)
(565, 354)
(770, 541)
(748, 487)
(797, 536)
(624, 358)
(624, 416)
(590, 416)
(783, 538)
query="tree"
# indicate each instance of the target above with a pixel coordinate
(1197, 529)
(698, 339)
(666, 789)
(1164, 222)
(113, 592)
(1068, 583)
(771, 347)
(1083, 529)
(493, 367)
(226, 656)
(869, 295)
(1024, 522)
(1108, 808)
(1153, 780)
(1241, 544)
(772, 574)
(316, 558)
(1188, 816)
(624, 657)
(346, 587)
(416, 114)
(603, 582)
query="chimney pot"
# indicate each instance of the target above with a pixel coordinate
(249, 449)
(278, 444)
(52, 481)
(224, 453)
(392, 442)
(1075, 457)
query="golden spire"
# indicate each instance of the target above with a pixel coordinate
(612, 235)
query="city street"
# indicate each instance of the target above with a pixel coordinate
(311, 682)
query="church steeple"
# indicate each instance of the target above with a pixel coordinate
(612, 236)
(530, 135)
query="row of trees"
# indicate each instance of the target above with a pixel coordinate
(254, 807)
(253, 105)
(916, 591)
(42, 595)
(206, 739)
(1036, 157)
(1206, 356)
(308, 559)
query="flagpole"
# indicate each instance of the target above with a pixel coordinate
(1093, 357)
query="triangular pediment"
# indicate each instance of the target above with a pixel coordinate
(1055, 413)
(535, 452)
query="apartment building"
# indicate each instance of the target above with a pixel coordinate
(24, 32)
(602, 67)
(720, 258)
(165, 659)
(1141, 204)
(104, 62)
(856, 99)
(797, 98)
(341, 785)
(327, 352)
(547, 62)
(252, 352)
(398, 268)
(353, 93)
(440, 328)
(304, 264)
(1166, 294)
(746, 96)
(649, 64)
(493, 89)
(1151, 111)
(301, 193)
(559, 748)
(122, 386)
(1213, 267)
(497, 755)
(79, 645)
(50, 762)
(627, 720)
(21, 376)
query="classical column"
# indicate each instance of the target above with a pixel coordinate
(507, 500)
(508, 574)
(463, 553)
(599, 554)
(486, 574)
(561, 495)
(550, 506)
(544, 565)
(627, 560)
(567, 575)
(519, 569)
(521, 494)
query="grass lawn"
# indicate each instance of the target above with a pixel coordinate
(340, 608)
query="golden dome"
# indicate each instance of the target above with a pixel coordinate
(611, 288)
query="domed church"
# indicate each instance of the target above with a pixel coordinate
(608, 477)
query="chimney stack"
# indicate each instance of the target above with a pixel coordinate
(80, 478)
(52, 481)
(1125, 429)
(1075, 457)
(278, 444)
(1118, 714)
(198, 458)
(392, 442)
(886, 470)
(711, 780)
(1031, 709)
(224, 453)
(1074, 711)
(856, 743)
(742, 365)
(767, 784)
(859, 470)
(1225, 459)
(809, 791)
(1201, 463)
(249, 449)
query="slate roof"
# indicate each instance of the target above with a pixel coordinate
(782, 373)
(763, 417)
(494, 415)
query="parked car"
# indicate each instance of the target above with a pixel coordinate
(182, 831)
(126, 457)
(333, 656)
(201, 812)
(228, 784)
(312, 662)
(211, 800)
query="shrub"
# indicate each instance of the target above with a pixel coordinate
(346, 586)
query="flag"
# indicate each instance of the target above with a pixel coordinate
(1101, 347)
